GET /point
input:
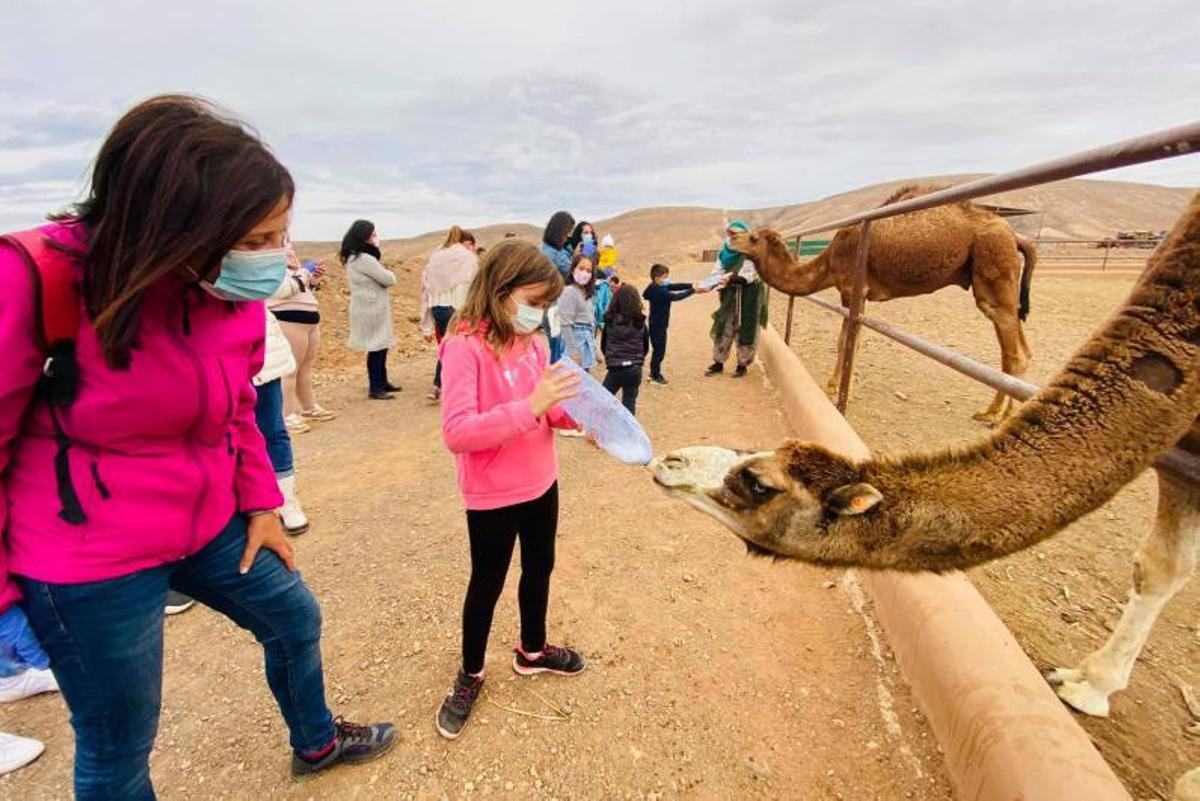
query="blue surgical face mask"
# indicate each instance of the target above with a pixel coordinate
(589, 238)
(527, 319)
(249, 275)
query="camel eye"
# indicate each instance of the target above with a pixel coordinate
(759, 490)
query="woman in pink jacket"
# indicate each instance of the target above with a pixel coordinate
(155, 477)
(499, 406)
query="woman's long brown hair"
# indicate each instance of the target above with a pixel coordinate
(176, 185)
(510, 264)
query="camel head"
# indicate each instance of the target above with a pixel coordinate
(756, 245)
(796, 502)
(778, 268)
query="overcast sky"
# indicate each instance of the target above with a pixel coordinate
(419, 115)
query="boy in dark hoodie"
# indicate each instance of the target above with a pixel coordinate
(660, 295)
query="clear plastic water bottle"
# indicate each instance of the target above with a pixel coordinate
(602, 416)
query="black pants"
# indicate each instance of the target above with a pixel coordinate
(629, 381)
(493, 533)
(658, 350)
(377, 370)
(441, 321)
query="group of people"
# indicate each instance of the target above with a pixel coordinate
(146, 412)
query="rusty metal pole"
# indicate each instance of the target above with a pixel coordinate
(787, 331)
(858, 298)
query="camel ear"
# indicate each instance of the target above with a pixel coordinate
(852, 499)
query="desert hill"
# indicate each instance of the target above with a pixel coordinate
(1077, 209)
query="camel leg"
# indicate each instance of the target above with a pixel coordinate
(1014, 357)
(1163, 564)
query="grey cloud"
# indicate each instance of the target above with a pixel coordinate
(602, 108)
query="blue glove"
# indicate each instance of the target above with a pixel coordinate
(19, 646)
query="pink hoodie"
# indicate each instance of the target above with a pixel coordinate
(505, 455)
(163, 453)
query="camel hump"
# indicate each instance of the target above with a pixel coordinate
(908, 192)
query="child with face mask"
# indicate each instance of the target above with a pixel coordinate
(499, 409)
(660, 295)
(577, 311)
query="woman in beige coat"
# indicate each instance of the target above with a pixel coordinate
(370, 304)
(444, 282)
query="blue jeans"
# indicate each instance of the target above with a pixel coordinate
(377, 377)
(583, 345)
(268, 414)
(105, 640)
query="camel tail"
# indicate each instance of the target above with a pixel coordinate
(1029, 252)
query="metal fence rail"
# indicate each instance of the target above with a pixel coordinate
(1139, 150)
(1179, 141)
(1176, 460)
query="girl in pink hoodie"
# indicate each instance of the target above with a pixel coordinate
(155, 476)
(499, 409)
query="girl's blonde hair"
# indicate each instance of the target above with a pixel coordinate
(512, 263)
(457, 236)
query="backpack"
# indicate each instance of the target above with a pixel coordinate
(56, 308)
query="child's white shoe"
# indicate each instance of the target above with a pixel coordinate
(27, 683)
(17, 752)
(294, 520)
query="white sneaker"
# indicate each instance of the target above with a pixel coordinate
(570, 432)
(23, 685)
(293, 517)
(17, 752)
(317, 413)
(295, 424)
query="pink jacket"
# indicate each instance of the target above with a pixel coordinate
(162, 453)
(505, 455)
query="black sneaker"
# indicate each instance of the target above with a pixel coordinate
(658, 379)
(715, 368)
(393, 388)
(740, 372)
(352, 744)
(553, 659)
(456, 707)
(380, 395)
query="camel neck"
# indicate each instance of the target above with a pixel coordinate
(1129, 394)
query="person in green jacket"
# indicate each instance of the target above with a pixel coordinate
(743, 309)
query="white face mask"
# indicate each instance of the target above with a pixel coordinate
(582, 277)
(527, 319)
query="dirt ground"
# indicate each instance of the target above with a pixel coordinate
(1062, 598)
(711, 674)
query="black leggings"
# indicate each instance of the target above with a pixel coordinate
(628, 380)
(493, 533)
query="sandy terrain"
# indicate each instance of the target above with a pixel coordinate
(712, 675)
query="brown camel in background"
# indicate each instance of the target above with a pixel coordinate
(1129, 394)
(916, 254)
